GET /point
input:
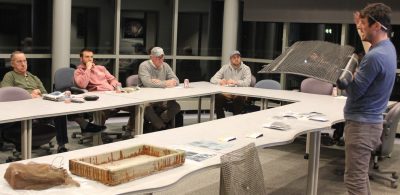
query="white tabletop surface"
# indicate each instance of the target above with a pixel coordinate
(196, 89)
(237, 126)
(39, 108)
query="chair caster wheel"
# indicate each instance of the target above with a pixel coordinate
(306, 156)
(106, 141)
(393, 185)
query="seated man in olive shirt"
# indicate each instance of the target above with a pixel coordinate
(20, 77)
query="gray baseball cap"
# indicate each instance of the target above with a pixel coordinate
(234, 53)
(157, 51)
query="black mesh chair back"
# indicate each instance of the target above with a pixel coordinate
(241, 172)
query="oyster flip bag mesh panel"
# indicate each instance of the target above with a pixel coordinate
(317, 59)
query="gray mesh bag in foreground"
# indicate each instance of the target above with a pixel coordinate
(317, 59)
(241, 172)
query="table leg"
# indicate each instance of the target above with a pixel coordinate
(212, 107)
(26, 139)
(97, 136)
(139, 118)
(313, 163)
(307, 146)
(262, 103)
(199, 111)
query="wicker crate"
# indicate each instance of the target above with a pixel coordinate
(121, 166)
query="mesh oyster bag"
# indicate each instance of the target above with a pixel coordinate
(317, 59)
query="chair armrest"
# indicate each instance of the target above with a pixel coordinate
(386, 127)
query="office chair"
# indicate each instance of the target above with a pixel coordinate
(267, 84)
(241, 172)
(64, 80)
(253, 81)
(42, 131)
(132, 80)
(314, 86)
(390, 124)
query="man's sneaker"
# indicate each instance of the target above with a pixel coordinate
(92, 128)
(62, 149)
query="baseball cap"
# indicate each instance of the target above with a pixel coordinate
(235, 53)
(157, 51)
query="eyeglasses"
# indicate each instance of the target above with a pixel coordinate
(375, 20)
(20, 61)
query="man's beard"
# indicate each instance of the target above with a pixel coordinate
(236, 64)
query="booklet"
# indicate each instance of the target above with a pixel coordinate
(277, 125)
(210, 145)
(55, 96)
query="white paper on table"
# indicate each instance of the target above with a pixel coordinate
(276, 125)
(319, 118)
(194, 154)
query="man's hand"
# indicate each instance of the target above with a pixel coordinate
(89, 65)
(170, 83)
(357, 22)
(223, 82)
(357, 19)
(231, 82)
(118, 88)
(360, 30)
(36, 93)
(155, 81)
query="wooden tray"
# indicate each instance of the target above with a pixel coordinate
(120, 166)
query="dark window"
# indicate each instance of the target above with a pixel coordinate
(26, 26)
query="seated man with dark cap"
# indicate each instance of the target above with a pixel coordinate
(236, 73)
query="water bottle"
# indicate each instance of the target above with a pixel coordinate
(334, 92)
(67, 96)
(186, 83)
(118, 89)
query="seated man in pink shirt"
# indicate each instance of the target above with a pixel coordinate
(93, 77)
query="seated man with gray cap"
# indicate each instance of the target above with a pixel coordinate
(237, 74)
(158, 74)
